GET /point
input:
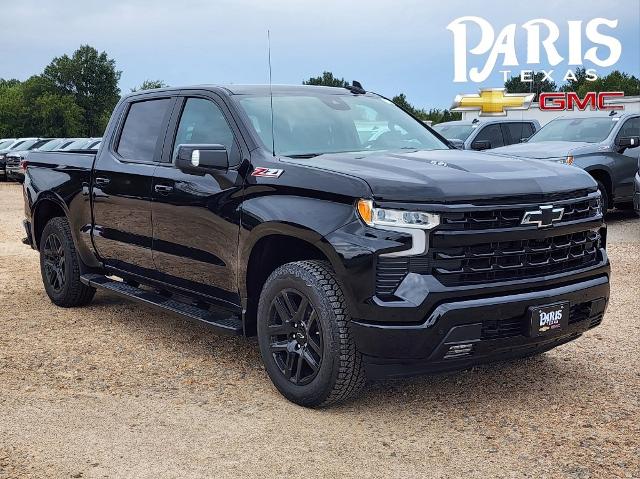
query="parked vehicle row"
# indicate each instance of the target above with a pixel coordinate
(14, 150)
(345, 234)
(605, 146)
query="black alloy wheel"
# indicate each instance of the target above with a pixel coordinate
(60, 266)
(295, 336)
(305, 337)
(54, 263)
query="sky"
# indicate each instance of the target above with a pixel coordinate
(389, 46)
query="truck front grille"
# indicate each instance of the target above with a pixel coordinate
(511, 217)
(509, 260)
(492, 246)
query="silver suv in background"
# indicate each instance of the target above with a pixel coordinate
(605, 146)
(486, 134)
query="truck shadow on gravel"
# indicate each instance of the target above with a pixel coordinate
(620, 216)
(554, 377)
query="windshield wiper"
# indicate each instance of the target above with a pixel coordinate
(305, 155)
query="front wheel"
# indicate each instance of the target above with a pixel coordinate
(604, 199)
(60, 266)
(305, 336)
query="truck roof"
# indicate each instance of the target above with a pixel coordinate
(254, 89)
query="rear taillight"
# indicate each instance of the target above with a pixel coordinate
(23, 165)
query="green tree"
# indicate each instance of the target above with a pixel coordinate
(326, 79)
(434, 115)
(401, 101)
(55, 115)
(12, 114)
(92, 79)
(537, 86)
(149, 85)
(614, 81)
(575, 85)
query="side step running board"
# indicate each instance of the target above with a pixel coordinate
(221, 321)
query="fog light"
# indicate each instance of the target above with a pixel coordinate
(459, 351)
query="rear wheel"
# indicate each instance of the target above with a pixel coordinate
(305, 337)
(60, 266)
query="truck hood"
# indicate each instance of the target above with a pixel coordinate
(546, 150)
(450, 175)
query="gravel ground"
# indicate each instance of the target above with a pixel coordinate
(119, 390)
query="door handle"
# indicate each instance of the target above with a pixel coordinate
(102, 181)
(163, 189)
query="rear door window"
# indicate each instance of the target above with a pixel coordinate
(142, 129)
(492, 134)
(516, 132)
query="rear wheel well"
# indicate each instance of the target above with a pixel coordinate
(605, 179)
(45, 210)
(268, 254)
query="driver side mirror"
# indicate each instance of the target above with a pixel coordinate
(627, 142)
(200, 158)
(481, 145)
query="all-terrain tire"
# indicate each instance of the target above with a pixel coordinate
(341, 374)
(605, 201)
(68, 291)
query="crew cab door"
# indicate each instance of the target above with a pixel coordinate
(196, 218)
(122, 184)
(626, 162)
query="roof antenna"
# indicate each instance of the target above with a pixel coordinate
(356, 88)
(613, 113)
(273, 137)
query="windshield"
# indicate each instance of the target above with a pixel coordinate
(311, 124)
(26, 145)
(51, 145)
(16, 145)
(590, 130)
(6, 144)
(77, 145)
(454, 132)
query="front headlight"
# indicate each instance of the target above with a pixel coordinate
(387, 218)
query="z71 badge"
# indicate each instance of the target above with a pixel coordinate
(267, 172)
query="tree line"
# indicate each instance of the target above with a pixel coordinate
(75, 95)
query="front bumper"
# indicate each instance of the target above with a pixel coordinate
(14, 173)
(460, 334)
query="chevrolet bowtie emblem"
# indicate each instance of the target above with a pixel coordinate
(493, 102)
(545, 216)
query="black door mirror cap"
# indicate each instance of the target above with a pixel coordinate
(481, 145)
(201, 157)
(628, 142)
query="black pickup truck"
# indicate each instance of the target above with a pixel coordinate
(350, 237)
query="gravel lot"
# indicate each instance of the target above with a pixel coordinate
(119, 390)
